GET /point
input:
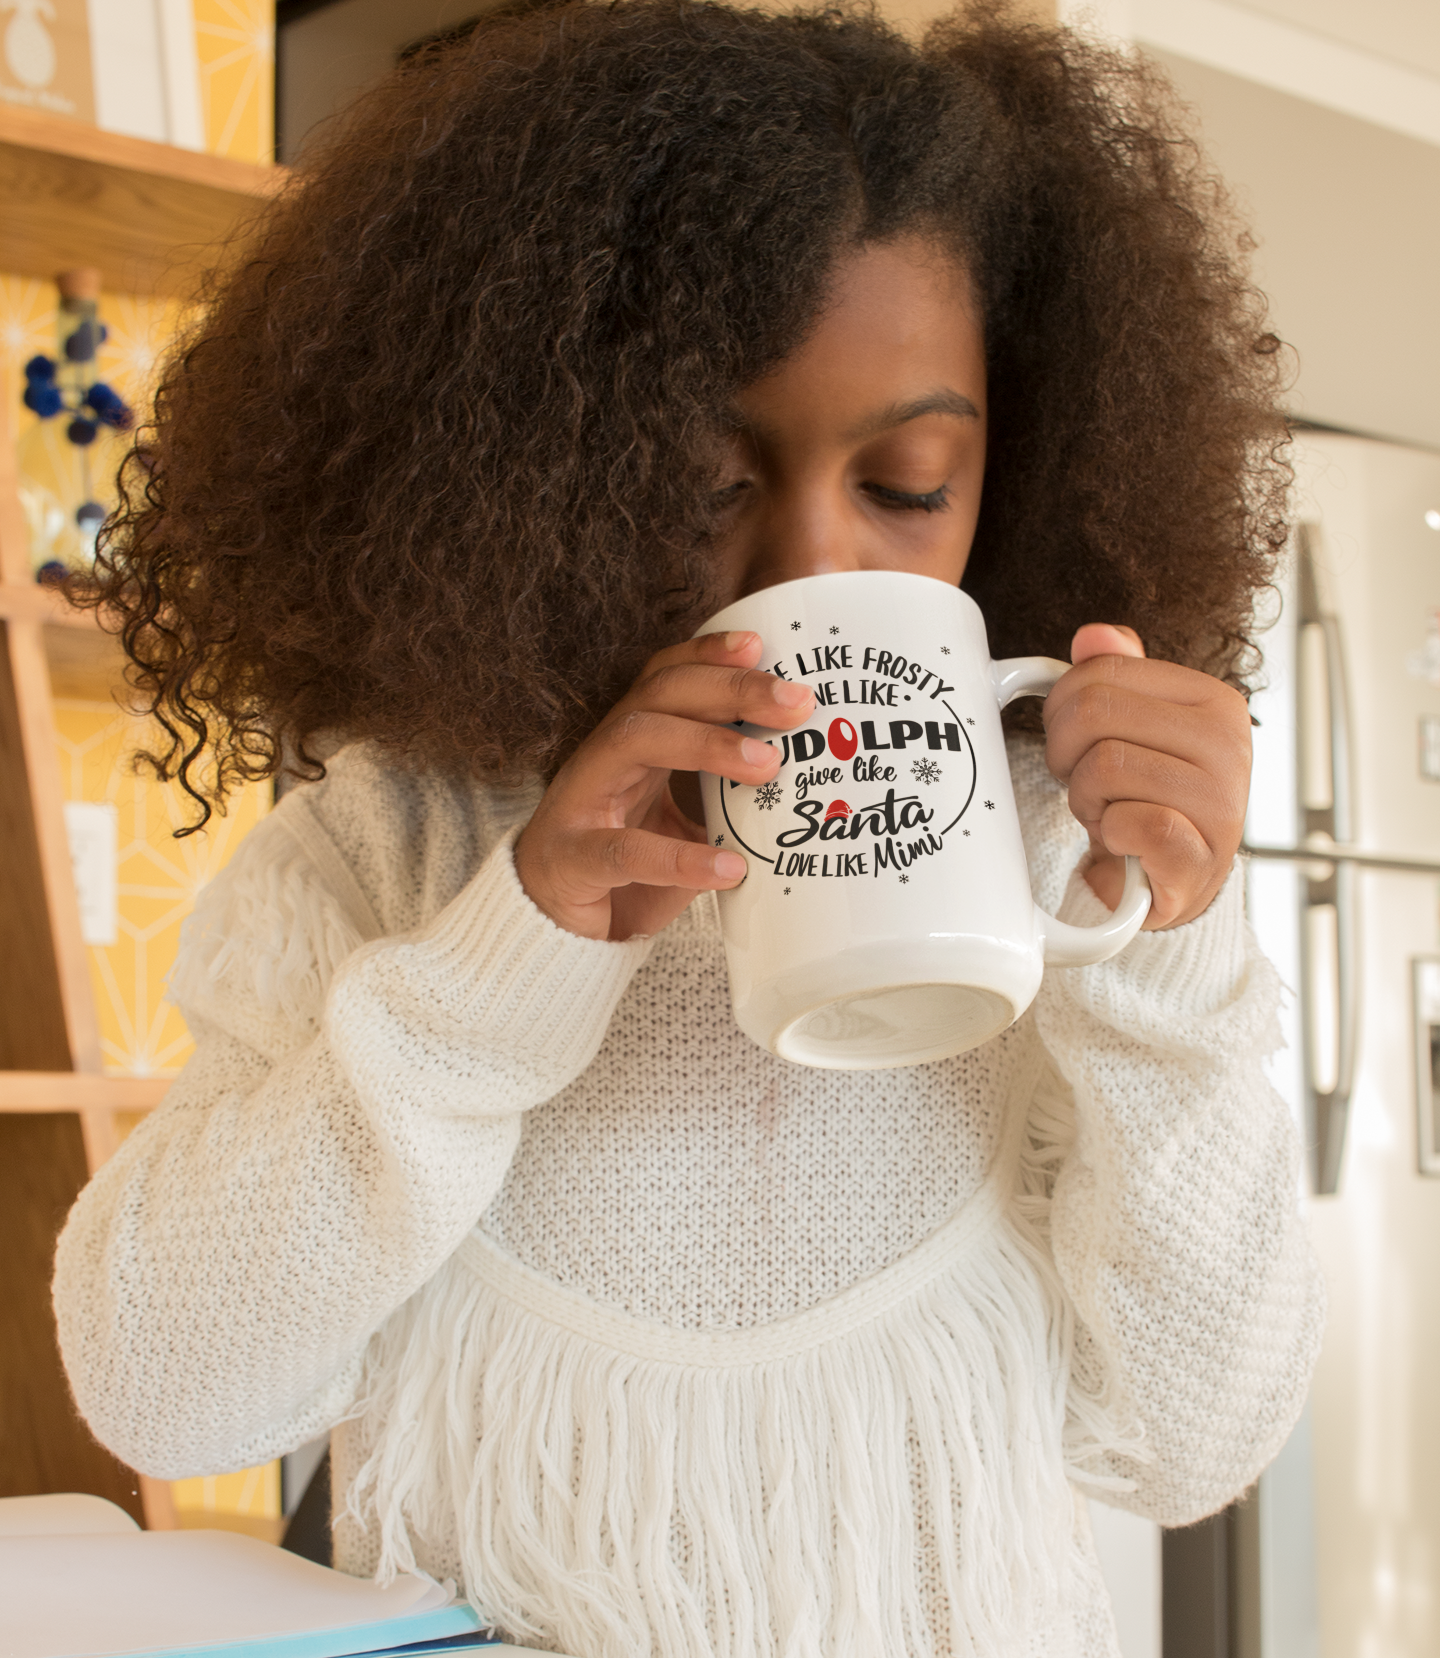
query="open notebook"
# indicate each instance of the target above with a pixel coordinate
(78, 1579)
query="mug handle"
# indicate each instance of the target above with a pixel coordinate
(1067, 946)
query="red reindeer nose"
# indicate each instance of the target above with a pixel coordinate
(836, 808)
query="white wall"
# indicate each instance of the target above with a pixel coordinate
(327, 57)
(1347, 215)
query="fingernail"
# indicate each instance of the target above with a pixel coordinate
(756, 753)
(791, 696)
(738, 641)
(730, 866)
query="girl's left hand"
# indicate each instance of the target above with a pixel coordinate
(1157, 761)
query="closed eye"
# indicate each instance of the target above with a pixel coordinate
(937, 500)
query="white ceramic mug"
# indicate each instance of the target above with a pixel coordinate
(887, 917)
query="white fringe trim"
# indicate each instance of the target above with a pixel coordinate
(880, 1475)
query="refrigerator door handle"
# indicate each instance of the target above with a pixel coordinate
(1329, 1108)
(1325, 852)
(1328, 904)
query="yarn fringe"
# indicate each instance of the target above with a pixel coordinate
(612, 1502)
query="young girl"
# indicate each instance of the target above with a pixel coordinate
(575, 331)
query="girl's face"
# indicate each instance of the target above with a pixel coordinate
(865, 449)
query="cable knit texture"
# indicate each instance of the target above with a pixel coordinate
(659, 1344)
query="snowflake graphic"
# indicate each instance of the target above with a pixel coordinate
(966, 833)
(834, 630)
(926, 770)
(768, 795)
(794, 627)
(968, 720)
(989, 805)
(944, 650)
(719, 840)
(787, 892)
(904, 880)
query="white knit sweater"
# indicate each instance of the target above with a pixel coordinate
(660, 1344)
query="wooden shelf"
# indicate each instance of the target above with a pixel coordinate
(86, 665)
(85, 661)
(78, 1091)
(34, 602)
(149, 216)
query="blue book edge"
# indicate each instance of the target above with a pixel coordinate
(353, 1641)
(438, 1649)
(434, 1648)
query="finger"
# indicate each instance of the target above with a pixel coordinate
(738, 646)
(599, 860)
(721, 694)
(1183, 871)
(627, 746)
(1105, 639)
(1213, 738)
(1143, 674)
(1114, 771)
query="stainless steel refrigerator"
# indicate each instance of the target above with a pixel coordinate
(1339, 1554)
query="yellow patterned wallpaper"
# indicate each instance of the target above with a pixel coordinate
(251, 1495)
(235, 43)
(55, 476)
(158, 878)
(159, 875)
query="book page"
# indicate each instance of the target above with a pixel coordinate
(68, 1511)
(112, 1594)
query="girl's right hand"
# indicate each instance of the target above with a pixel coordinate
(608, 853)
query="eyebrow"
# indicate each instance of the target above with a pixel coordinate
(944, 402)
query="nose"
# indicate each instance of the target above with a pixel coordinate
(802, 532)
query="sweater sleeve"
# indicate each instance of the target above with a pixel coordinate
(1174, 1218)
(348, 1113)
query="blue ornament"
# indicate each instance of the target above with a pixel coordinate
(110, 408)
(81, 346)
(44, 398)
(81, 431)
(51, 573)
(89, 515)
(39, 370)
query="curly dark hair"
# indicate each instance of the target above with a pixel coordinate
(435, 469)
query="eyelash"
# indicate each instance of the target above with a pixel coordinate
(936, 501)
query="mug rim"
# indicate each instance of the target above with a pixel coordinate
(832, 576)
